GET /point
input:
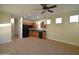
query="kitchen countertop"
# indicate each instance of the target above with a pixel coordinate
(35, 29)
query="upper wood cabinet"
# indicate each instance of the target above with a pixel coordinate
(28, 22)
(43, 25)
(34, 25)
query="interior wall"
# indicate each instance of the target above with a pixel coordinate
(16, 27)
(5, 31)
(20, 23)
(12, 28)
(65, 32)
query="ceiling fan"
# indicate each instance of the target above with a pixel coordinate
(46, 8)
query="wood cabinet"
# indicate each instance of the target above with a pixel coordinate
(38, 33)
(44, 35)
(43, 25)
(34, 25)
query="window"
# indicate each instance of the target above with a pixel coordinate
(48, 21)
(58, 20)
(74, 18)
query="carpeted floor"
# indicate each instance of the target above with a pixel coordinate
(36, 46)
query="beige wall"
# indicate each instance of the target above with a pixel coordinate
(65, 32)
(5, 31)
(19, 26)
(4, 18)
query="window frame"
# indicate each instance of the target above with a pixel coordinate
(49, 22)
(60, 22)
(73, 21)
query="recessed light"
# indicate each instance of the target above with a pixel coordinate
(29, 14)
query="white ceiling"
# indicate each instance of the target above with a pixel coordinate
(28, 10)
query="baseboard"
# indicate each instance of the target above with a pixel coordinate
(66, 42)
(5, 41)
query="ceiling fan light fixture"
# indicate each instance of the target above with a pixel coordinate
(46, 8)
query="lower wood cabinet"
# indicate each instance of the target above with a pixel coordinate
(38, 33)
(44, 35)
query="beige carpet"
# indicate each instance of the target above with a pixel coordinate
(35, 46)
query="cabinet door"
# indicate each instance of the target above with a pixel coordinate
(44, 35)
(40, 34)
(36, 34)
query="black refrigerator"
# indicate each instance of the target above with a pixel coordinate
(25, 30)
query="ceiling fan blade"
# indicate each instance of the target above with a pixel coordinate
(52, 7)
(44, 6)
(50, 10)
